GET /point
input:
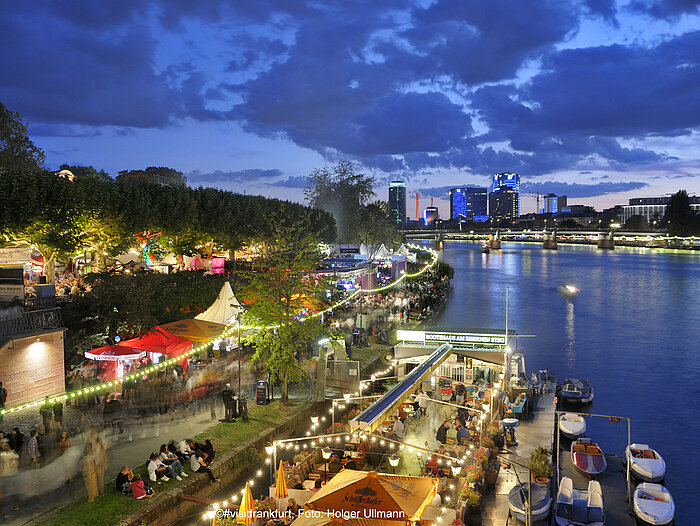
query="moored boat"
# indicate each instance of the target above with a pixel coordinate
(653, 504)
(577, 507)
(645, 463)
(485, 247)
(540, 501)
(576, 391)
(572, 425)
(587, 456)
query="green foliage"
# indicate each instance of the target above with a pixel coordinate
(539, 463)
(637, 223)
(341, 192)
(129, 305)
(17, 152)
(680, 219)
(377, 228)
(90, 214)
(276, 294)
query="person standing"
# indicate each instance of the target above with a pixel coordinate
(58, 411)
(101, 462)
(9, 461)
(46, 412)
(227, 397)
(88, 470)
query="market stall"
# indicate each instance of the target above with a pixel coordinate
(119, 355)
(375, 495)
(160, 343)
(193, 329)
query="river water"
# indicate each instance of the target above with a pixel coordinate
(633, 332)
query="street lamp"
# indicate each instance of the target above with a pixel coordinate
(394, 461)
(270, 449)
(314, 420)
(456, 470)
(326, 454)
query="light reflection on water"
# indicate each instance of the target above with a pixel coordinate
(633, 332)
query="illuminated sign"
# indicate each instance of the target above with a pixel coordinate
(452, 337)
(462, 338)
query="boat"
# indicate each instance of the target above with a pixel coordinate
(578, 507)
(645, 463)
(576, 391)
(653, 504)
(568, 291)
(540, 501)
(587, 456)
(485, 247)
(572, 425)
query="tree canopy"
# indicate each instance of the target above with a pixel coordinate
(680, 219)
(276, 294)
(17, 151)
(342, 192)
(60, 217)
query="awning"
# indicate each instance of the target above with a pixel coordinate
(375, 495)
(115, 353)
(159, 342)
(224, 310)
(405, 351)
(194, 330)
(372, 417)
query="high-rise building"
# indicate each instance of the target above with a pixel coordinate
(553, 203)
(507, 180)
(397, 201)
(430, 215)
(468, 203)
(503, 205)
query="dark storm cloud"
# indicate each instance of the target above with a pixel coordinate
(219, 177)
(580, 190)
(396, 85)
(439, 192)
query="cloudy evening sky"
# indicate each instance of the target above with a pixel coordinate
(596, 99)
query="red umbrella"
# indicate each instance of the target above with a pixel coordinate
(114, 353)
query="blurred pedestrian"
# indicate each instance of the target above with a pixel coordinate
(88, 470)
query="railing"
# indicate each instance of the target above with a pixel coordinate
(30, 322)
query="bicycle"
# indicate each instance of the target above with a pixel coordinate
(243, 408)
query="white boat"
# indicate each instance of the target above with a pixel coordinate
(645, 463)
(539, 500)
(653, 504)
(572, 425)
(578, 507)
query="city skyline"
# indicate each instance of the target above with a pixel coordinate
(594, 100)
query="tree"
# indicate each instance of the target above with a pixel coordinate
(17, 152)
(165, 175)
(680, 220)
(637, 223)
(341, 192)
(376, 228)
(279, 293)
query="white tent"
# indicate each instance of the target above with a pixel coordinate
(225, 309)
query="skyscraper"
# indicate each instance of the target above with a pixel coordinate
(503, 181)
(503, 205)
(469, 202)
(397, 201)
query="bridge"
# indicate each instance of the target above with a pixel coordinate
(552, 237)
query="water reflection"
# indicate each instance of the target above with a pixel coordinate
(570, 336)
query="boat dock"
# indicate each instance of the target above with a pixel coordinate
(539, 430)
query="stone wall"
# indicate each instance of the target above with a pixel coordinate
(32, 367)
(168, 507)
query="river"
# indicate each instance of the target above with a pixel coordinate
(633, 332)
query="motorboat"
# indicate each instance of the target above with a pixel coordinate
(576, 391)
(645, 463)
(540, 501)
(653, 504)
(572, 425)
(568, 291)
(578, 507)
(485, 247)
(587, 456)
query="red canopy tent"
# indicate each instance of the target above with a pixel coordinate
(161, 342)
